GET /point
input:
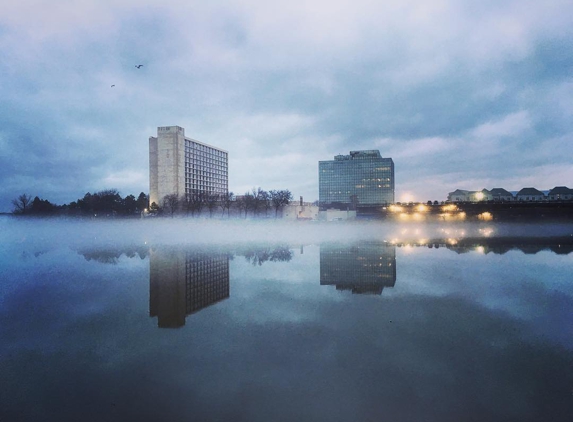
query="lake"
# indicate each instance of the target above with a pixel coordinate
(184, 320)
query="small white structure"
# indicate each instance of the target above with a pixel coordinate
(336, 215)
(295, 211)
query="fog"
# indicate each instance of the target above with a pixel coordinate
(38, 234)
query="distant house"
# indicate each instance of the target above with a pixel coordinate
(460, 195)
(480, 195)
(530, 194)
(500, 194)
(560, 193)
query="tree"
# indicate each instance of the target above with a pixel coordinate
(41, 207)
(226, 203)
(280, 198)
(257, 203)
(265, 198)
(142, 202)
(154, 208)
(22, 204)
(194, 201)
(129, 204)
(212, 200)
(171, 203)
(250, 203)
(241, 205)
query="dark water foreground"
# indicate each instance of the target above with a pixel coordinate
(332, 331)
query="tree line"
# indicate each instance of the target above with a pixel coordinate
(109, 203)
(104, 203)
(256, 202)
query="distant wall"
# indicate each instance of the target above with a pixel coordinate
(333, 215)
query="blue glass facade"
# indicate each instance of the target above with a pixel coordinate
(362, 178)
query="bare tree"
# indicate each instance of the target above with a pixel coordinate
(241, 204)
(22, 204)
(227, 201)
(171, 203)
(250, 203)
(194, 201)
(212, 200)
(280, 198)
(265, 199)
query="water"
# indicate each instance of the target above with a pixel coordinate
(128, 321)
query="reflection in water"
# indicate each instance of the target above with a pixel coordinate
(184, 282)
(259, 255)
(112, 255)
(363, 268)
(498, 246)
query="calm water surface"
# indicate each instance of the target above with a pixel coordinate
(272, 331)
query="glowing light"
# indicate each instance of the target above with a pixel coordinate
(407, 197)
(487, 232)
(480, 249)
(479, 196)
(395, 208)
(449, 207)
(485, 216)
(422, 241)
(422, 208)
(461, 215)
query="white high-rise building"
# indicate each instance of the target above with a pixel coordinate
(184, 166)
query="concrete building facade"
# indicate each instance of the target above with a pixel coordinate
(362, 178)
(184, 166)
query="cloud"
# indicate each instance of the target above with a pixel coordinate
(511, 125)
(443, 80)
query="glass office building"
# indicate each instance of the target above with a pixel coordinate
(205, 168)
(362, 178)
(362, 268)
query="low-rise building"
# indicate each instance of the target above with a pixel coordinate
(461, 195)
(530, 194)
(300, 211)
(560, 193)
(501, 195)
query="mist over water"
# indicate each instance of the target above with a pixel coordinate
(49, 233)
(267, 320)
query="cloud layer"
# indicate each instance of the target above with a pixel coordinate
(461, 95)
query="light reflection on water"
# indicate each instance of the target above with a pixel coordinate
(332, 331)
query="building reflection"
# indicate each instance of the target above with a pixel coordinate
(363, 268)
(182, 282)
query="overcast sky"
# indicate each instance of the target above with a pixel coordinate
(461, 94)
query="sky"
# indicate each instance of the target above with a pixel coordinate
(460, 94)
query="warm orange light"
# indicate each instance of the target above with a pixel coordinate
(485, 216)
(449, 207)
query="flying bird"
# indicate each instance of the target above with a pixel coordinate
(112, 86)
(138, 65)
